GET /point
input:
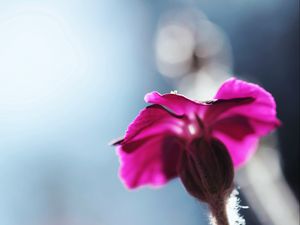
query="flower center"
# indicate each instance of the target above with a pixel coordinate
(195, 128)
(192, 129)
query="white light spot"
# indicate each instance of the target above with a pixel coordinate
(192, 129)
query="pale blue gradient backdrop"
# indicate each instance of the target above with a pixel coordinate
(72, 76)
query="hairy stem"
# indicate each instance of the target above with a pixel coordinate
(219, 214)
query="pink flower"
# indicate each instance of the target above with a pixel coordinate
(176, 136)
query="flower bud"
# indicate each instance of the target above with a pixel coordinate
(206, 171)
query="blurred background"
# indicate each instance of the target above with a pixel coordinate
(73, 75)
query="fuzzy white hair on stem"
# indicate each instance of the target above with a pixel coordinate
(232, 208)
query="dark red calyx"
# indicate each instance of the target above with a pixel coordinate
(206, 171)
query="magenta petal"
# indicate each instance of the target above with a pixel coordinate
(239, 150)
(154, 163)
(152, 120)
(154, 142)
(240, 126)
(179, 104)
(151, 147)
(218, 107)
(262, 109)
